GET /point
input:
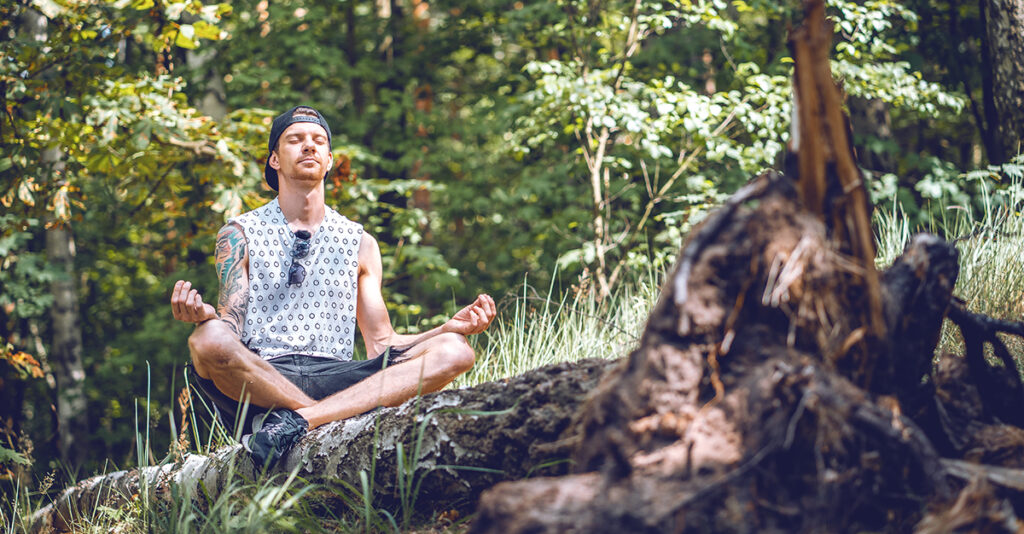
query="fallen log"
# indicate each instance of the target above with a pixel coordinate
(457, 443)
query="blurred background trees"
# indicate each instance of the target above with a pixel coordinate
(480, 140)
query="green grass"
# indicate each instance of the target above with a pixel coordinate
(532, 330)
(991, 279)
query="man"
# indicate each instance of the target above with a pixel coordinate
(296, 278)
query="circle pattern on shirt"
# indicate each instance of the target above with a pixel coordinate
(318, 315)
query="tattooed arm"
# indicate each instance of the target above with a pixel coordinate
(233, 276)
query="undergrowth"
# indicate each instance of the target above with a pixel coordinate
(989, 239)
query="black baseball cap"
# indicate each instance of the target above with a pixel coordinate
(281, 123)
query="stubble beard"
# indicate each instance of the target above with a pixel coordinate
(310, 174)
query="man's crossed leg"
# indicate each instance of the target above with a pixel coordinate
(219, 356)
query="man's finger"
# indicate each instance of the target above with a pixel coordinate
(489, 305)
(174, 298)
(484, 321)
(190, 304)
(185, 289)
(178, 300)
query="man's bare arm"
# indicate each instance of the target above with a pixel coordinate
(372, 313)
(233, 277)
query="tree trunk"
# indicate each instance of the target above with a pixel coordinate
(870, 118)
(213, 101)
(457, 442)
(1004, 40)
(66, 352)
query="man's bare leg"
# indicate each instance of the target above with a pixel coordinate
(426, 367)
(218, 355)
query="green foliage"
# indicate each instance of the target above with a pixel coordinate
(25, 275)
(275, 504)
(7, 455)
(536, 329)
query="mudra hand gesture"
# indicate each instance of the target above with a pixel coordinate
(474, 318)
(187, 304)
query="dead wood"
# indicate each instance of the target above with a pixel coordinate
(782, 383)
(456, 443)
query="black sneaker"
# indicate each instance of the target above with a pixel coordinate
(274, 436)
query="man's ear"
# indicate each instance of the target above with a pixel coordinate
(274, 162)
(330, 165)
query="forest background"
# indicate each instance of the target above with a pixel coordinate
(490, 145)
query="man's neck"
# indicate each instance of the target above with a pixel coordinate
(303, 209)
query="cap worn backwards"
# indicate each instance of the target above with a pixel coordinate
(281, 123)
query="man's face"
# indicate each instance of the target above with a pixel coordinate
(302, 154)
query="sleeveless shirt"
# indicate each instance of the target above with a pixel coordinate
(317, 317)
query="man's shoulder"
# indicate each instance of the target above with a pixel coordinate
(342, 222)
(263, 213)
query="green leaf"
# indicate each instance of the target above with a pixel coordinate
(25, 193)
(7, 455)
(185, 37)
(6, 163)
(205, 30)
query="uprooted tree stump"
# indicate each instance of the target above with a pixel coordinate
(784, 384)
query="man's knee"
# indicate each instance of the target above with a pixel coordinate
(456, 354)
(211, 346)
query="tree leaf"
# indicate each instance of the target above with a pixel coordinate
(205, 30)
(7, 455)
(25, 192)
(184, 37)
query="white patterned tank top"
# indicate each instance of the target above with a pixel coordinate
(316, 317)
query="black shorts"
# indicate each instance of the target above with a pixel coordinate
(315, 376)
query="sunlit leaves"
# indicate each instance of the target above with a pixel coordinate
(25, 188)
(27, 367)
(896, 83)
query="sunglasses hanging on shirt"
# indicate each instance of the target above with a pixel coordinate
(300, 249)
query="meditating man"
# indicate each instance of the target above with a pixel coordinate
(296, 278)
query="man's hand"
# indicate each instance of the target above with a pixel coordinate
(188, 306)
(474, 318)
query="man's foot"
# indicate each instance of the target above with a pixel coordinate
(280, 430)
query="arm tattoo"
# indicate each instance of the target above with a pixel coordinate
(234, 285)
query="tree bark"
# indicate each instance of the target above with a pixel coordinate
(870, 118)
(457, 443)
(66, 352)
(213, 100)
(1004, 40)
